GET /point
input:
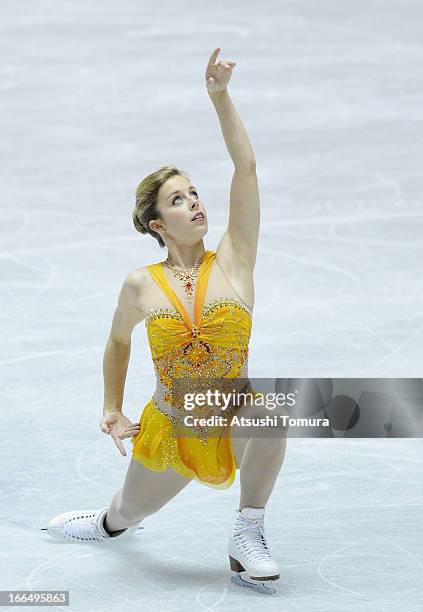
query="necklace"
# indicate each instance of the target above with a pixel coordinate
(186, 277)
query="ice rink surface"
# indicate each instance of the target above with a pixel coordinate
(96, 95)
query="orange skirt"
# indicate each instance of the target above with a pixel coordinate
(210, 462)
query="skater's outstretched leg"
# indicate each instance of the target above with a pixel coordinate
(143, 493)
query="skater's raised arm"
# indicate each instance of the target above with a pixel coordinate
(239, 242)
(127, 315)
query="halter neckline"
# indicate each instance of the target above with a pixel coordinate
(199, 291)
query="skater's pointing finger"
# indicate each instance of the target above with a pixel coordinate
(213, 57)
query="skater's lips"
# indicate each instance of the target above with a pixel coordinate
(197, 214)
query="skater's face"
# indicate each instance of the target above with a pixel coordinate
(178, 202)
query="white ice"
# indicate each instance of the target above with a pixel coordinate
(94, 96)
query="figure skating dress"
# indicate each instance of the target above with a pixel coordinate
(215, 345)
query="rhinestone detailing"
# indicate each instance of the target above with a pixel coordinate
(189, 352)
(217, 349)
(187, 277)
(166, 312)
(225, 301)
(162, 312)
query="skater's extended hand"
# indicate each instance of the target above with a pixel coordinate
(218, 75)
(117, 425)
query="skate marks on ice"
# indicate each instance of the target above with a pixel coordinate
(393, 555)
(340, 186)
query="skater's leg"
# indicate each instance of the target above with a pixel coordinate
(259, 458)
(259, 452)
(261, 464)
(238, 447)
(143, 493)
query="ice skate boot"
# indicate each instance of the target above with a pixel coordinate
(82, 526)
(249, 555)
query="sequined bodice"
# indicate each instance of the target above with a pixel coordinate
(214, 345)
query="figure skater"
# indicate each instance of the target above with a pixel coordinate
(197, 306)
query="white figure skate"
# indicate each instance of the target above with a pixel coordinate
(83, 526)
(249, 554)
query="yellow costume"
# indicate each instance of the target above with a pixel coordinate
(215, 346)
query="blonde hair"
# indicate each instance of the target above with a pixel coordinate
(146, 200)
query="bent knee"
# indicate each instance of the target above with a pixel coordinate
(282, 415)
(256, 423)
(269, 410)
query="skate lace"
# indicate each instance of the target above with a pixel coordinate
(250, 535)
(79, 527)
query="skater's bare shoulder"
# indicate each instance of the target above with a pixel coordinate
(130, 307)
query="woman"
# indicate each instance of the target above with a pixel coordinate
(197, 306)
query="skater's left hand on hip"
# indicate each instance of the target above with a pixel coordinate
(218, 75)
(119, 427)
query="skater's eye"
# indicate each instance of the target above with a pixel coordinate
(179, 197)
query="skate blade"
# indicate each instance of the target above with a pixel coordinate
(136, 530)
(267, 587)
(131, 529)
